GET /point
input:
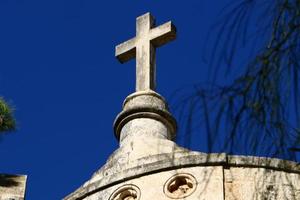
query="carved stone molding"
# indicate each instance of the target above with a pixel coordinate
(180, 186)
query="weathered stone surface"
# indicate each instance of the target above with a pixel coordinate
(260, 184)
(12, 187)
(208, 183)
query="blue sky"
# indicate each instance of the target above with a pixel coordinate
(57, 67)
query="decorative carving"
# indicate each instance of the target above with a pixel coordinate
(180, 185)
(126, 192)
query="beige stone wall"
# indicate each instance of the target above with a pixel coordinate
(207, 183)
(260, 184)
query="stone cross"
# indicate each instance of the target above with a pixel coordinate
(143, 48)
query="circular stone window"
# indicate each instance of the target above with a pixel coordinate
(180, 186)
(126, 192)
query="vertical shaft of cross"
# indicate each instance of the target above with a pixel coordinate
(145, 54)
(145, 67)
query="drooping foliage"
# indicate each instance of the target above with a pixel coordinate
(258, 108)
(7, 121)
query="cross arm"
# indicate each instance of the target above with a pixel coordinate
(126, 50)
(163, 34)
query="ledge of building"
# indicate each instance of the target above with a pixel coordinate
(114, 172)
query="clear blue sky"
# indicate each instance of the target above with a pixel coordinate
(57, 67)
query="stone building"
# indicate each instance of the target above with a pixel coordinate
(12, 187)
(148, 165)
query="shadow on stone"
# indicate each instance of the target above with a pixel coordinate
(9, 180)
